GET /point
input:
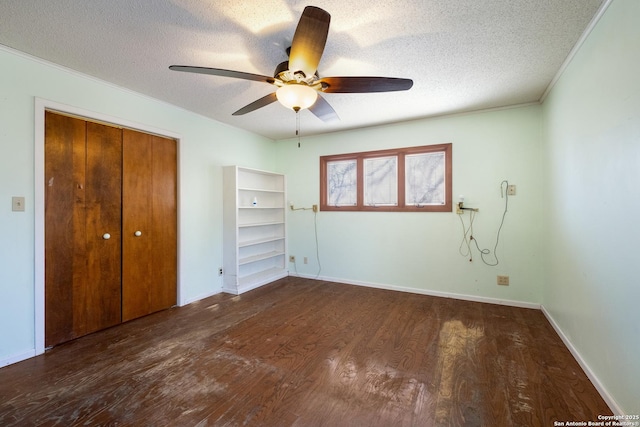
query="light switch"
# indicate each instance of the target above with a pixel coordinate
(17, 204)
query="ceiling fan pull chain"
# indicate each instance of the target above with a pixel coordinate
(298, 125)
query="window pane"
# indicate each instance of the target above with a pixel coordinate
(381, 181)
(342, 183)
(424, 179)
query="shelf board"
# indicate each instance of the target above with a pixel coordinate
(259, 241)
(260, 257)
(260, 207)
(262, 190)
(262, 277)
(260, 224)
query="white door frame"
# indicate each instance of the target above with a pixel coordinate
(41, 105)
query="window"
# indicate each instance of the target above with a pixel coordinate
(414, 179)
(381, 181)
(342, 182)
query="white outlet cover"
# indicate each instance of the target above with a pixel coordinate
(17, 204)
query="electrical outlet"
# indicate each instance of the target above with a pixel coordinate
(511, 190)
(220, 271)
(315, 209)
(306, 260)
(292, 258)
(503, 280)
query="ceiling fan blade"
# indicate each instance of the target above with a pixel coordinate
(223, 73)
(259, 103)
(322, 110)
(364, 84)
(309, 40)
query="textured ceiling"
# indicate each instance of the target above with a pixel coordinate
(462, 55)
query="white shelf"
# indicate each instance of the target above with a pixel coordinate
(259, 241)
(263, 275)
(261, 190)
(255, 244)
(259, 257)
(260, 224)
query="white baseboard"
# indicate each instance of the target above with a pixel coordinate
(17, 358)
(230, 290)
(609, 400)
(202, 296)
(475, 298)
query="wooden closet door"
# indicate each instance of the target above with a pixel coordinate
(82, 203)
(149, 224)
(103, 204)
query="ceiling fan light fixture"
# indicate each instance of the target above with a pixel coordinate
(296, 96)
(297, 78)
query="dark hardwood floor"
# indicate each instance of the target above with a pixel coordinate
(308, 353)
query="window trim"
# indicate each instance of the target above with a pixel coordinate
(401, 153)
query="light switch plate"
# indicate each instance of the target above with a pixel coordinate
(17, 204)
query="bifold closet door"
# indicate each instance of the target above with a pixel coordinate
(83, 182)
(149, 224)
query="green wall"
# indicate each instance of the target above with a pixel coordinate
(592, 134)
(420, 251)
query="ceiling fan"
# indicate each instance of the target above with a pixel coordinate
(299, 85)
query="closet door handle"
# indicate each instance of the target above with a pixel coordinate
(138, 233)
(106, 236)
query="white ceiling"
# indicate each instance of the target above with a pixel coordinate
(462, 55)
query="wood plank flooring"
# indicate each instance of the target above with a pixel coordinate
(300, 352)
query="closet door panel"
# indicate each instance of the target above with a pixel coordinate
(165, 223)
(137, 194)
(103, 202)
(65, 263)
(149, 224)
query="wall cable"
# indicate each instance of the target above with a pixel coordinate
(465, 241)
(504, 185)
(315, 229)
(315, 226)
